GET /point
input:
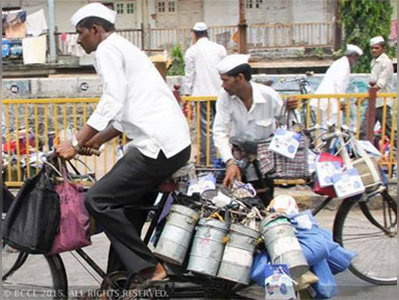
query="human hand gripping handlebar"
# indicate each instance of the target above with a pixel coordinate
(88, 151)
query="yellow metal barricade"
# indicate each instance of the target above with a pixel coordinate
(352, 112)
(192, 110)
(32, 125)
(30, 128)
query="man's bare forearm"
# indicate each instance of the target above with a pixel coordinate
(85, 134)
(102, 137)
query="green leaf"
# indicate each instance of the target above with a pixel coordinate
(362, 20)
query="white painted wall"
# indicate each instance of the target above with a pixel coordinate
(221, 12)
(128, 21)
(312, 11)
(226, 12)
(63, 12)
(216, 12)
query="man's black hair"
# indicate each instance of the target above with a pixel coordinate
(200, 34)
(90, 21)
(244, 69)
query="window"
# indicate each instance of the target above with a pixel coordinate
(254, 4)
(166, 6)
(130, 7)
(172, 6)
(120, 8)
(161, 6)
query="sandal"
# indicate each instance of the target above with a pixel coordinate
(157, 274)
(145, 280)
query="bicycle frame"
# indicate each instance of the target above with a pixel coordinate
(205, 285)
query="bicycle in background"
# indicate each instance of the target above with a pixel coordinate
(304, 115)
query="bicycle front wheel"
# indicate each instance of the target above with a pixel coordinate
(32, 276)
(368, 227)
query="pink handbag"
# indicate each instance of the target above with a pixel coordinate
(74, 225)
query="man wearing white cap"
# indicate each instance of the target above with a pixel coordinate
(202, 79)
(382, 79)
(335, 81)
(137, 102)
(245, 110)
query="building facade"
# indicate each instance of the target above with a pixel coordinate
(184, 13)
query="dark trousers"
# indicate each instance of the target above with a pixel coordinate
(379, 114)
(130, 182)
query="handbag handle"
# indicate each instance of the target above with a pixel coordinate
(283, 111)
(92, 179)
(284, 116)
(53, 167)
(62, 166)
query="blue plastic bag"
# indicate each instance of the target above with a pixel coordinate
(314, 246)
(258, 268)
(326, 287)
(316, 243)
(340, 259)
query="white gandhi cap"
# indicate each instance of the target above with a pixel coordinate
(200, 26)
(232, 61)
(350, 49)
(376, 40)
(94, 10)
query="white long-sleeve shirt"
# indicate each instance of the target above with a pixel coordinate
(137, 100)
(382, 75)
(233, 120)
(201, 76)
(335, 81)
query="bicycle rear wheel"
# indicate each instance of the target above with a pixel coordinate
(368, 227)
(34, 277)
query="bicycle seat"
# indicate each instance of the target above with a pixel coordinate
(169, 185)
(186, 170)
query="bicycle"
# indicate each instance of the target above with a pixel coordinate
(380, 218)
(52, 279)
(305, 113)
(366, 223)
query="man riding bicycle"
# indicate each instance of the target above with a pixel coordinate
(137, 102)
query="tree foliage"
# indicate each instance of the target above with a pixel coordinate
(177, 56)
(362, 20)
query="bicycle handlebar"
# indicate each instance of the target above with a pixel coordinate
(307, 75)
(314, 128)
(335, 134)
(91, 151)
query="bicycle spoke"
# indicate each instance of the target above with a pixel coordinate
(36, 276)
(370, 230)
